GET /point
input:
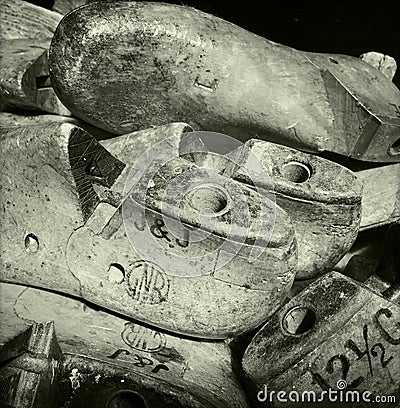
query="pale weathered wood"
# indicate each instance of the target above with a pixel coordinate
(324, 207)
(164, 62)
(158, 363)
(385, 63)
(65, 6)
(26, 31)
(21, 19)
(322, 198)
(23, 68)
(381, 196)
(46, 192)
(77, 235)
(8, 119)
(319, 337)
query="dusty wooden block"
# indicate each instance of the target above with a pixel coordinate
(335, 334)
(322, 198)
(381, 196)
(105, 354)
(76, 200)
(21, 19)
(165, 62)
(26, 32)
(30, 370)
(385, 63)
(45, 197)
(9, 120)
(25, 81)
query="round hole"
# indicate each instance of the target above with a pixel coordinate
(394, 149)
(31, 243)
(333, 60)
(296, 172)
(116, 273)
(299, 320)
(126, 399)
(209, 200)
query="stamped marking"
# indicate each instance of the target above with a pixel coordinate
(369, 353)
(142, 338)
(140, 361)
(145, 283)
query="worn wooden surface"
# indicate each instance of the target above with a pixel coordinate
(324, 206)
(45, 194)
(9, 119)
(354, 336)
(157, 365)
(24, 76)
(322, 198)
(31, 374)
(21, 19)
(225, 303)
(25, 36)
(74, 202)
(164, 63)
(385, 63)
(381, 196)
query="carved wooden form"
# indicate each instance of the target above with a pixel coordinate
(335, 330)
(26, 32)
(163, 63)
(63, 230)
(99, 350)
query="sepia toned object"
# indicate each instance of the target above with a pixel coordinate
(21, 19)
(63, 230)
(30, 364)
(46, 198)
(107, 360)
(322, 198)
(163, 63)
(26, 32)
(9, 120)
(335, 334)
(385, 63)
(381, 196)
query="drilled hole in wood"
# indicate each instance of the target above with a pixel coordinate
(299, 320)
(209, 200)
(296, 172)
(126, 399)
(31, 243)
(395, 148)
(116, 273)
(333, 60)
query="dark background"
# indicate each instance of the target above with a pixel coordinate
(336, 26)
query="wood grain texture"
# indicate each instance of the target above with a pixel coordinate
(159, 364)
(8, 119)
(45, 194)
(381, 196)
(23, 65)
(163, 63)
(313, 353)
(324, 207)
(20, 19)
(31, 377)
(78, 191)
